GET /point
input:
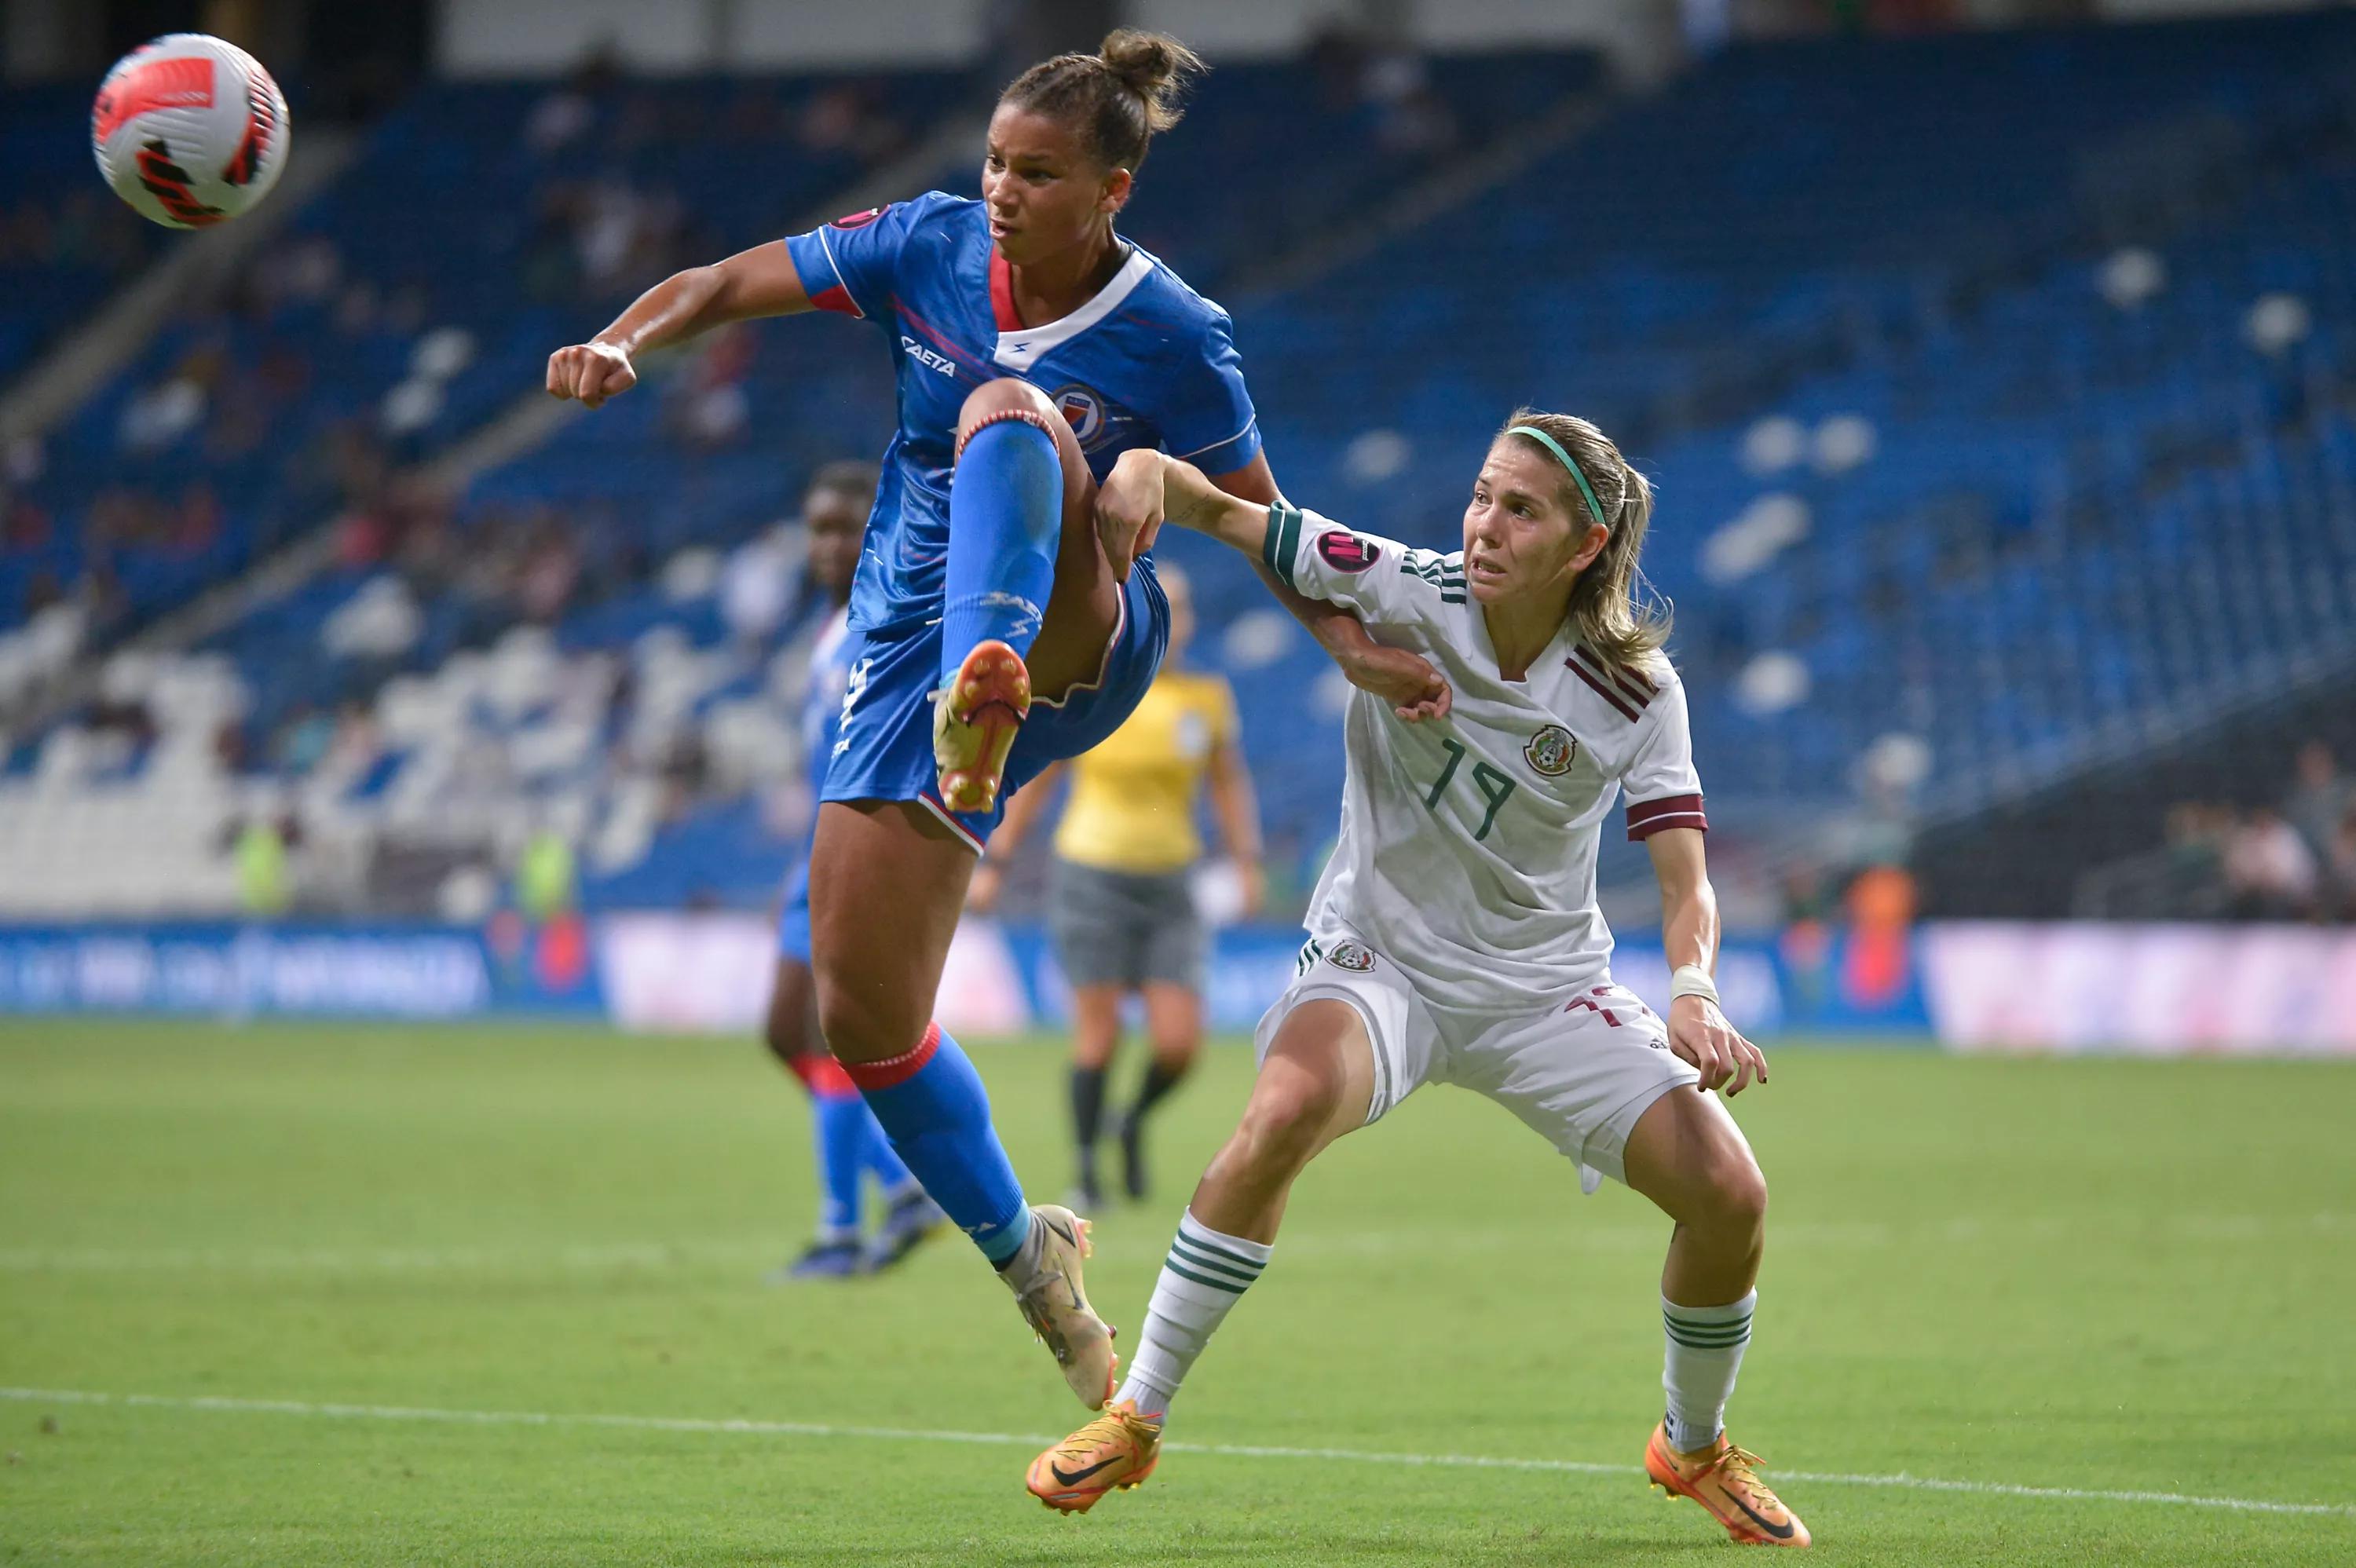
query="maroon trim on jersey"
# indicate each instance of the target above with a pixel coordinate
(1610, 1018)
(1638, 690)
(1002, 294)
(1601, 690)
(1638, 676)
(1646, 817)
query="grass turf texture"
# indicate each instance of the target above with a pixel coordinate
(2100, 1275)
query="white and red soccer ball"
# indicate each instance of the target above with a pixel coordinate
(189, 130)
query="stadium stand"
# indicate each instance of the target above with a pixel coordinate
(1970, 454)
(614, 531)
(1998, 432)
(2154, 837)
(63, 244)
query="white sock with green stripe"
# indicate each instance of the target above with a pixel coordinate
(1206, 1273)
(1705, 1351)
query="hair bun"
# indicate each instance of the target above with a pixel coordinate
(1155, 67)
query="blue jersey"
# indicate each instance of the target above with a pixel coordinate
(829, 681)
(1148, 362)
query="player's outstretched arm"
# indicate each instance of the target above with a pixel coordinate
(755, 283)
(1698, 1029)
(1146, 489)
(1399, 677)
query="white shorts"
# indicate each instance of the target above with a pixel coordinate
(1580, 1074)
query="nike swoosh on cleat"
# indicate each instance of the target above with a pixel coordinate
(1073, 1478)
(1780, 1532)
(1070, 1239)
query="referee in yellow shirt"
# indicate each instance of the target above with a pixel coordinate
(1121, 897)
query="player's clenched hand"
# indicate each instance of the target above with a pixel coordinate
(591, 372)
(1700, 1033)
(1130, 504)
(1405, 680)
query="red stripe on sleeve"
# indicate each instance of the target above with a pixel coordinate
(1649, 816)
(893, 1070)
(838, 300)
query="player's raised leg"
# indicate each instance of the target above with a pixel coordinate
(1688, 1155)
(887, 881)
(1316, 1084)
(1030, 600)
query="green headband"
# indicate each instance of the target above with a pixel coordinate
(1594, 508)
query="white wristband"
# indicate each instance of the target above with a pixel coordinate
(1692, 980)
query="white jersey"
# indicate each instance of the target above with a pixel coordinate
(1468, 844)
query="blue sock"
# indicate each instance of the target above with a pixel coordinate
(839, 1124)
(875, 1156)
(1006, 517)
(931, 1102)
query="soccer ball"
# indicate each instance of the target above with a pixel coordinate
(189, 130)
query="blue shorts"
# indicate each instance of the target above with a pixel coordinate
(885, 752)
(793, 917)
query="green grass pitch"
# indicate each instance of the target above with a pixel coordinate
(2091, 1278)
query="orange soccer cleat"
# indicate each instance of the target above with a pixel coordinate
(1113, 1453)
(1725, 1481)
(975, 719)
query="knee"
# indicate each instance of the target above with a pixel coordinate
(1175, 1052)
(1282, 1125)
(1006, 398)
(1174, 1032)
(1736, 1192)
(860, 1025)
(1174, 1049)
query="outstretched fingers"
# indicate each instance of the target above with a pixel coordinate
(1749, 1065)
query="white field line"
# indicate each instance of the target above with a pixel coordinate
(1031, 1440)
(389, 1260)
(1140, 1243)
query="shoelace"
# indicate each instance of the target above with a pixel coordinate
(1739, 1467)
(1082, 1443)
(1109, 1428)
